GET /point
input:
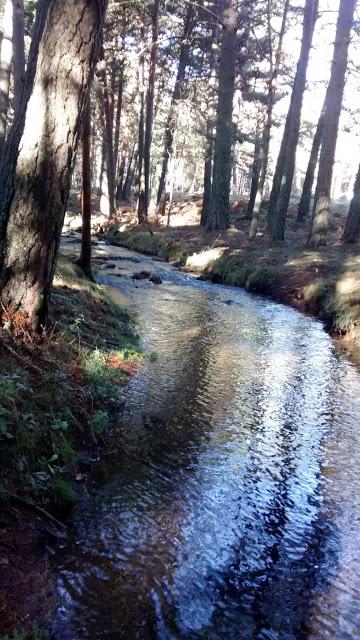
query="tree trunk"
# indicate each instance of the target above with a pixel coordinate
(140, 207)
(180, 77)
(256, 169)
(265, 146)
(208, 168)
(5, 68)
(209, 141)
(352, 226)
(118, 117)
(150, 105)
(130, 174)
(43, 174)
(85, 256)
(10, 155)
(281, 191)
(18, 52)
(334, 100)
(109, 144)
(305, 200)
(220, 197)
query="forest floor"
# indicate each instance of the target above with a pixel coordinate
(60, 400)
(323, 282)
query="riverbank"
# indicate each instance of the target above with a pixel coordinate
(60, 396)
(324, 282)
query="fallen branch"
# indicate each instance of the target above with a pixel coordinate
(26, 503)
(21, 359)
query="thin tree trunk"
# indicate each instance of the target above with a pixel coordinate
(140, 207)
(85, 256)
(118, 117)
(150, 105)
(256, 169)
(130, 175)
(5, 68)
(334, 100)
(18, 52)
(208, 168)
(209, 141)
(109, 145)
(281, 191)
(220, 197)
(180, 77)
(305, 200)
(352, 226)
(43, 174)
(265, 146)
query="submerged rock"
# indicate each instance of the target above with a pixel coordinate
(141, 275)
(155, 279)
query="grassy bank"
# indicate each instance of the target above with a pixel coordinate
(60, 398)
(324, 283)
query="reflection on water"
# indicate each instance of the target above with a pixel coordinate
(232, 509)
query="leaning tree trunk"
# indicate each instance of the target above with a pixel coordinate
(220, 196)
(18, 52)
(5, 68)
(352, 226)
(85, 256)
(283, 179)
(305, 200)
(43, 174)
(334, 100)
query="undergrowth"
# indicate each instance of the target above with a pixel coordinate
(62, 393)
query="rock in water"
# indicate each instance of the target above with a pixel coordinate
(155, 279)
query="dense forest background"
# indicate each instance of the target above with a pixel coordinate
(236, 103)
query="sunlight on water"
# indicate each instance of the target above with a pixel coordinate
(232, 509)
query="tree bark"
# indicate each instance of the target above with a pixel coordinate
(265, 146)
(180, 77)
(18, 52)
(220, 197)
(284, 174)
(352, 226)
(209, 140)
(140, 207)
(5, 68)
(334, 100)
(208, 168)
(305, 200)
(85, 256)
(109, 143)
(120, 91)
(150, 105)
(67, 54)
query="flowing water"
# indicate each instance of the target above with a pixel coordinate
(232, 508)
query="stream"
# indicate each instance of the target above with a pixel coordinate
(232, 508)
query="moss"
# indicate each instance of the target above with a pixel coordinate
(144, 242)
